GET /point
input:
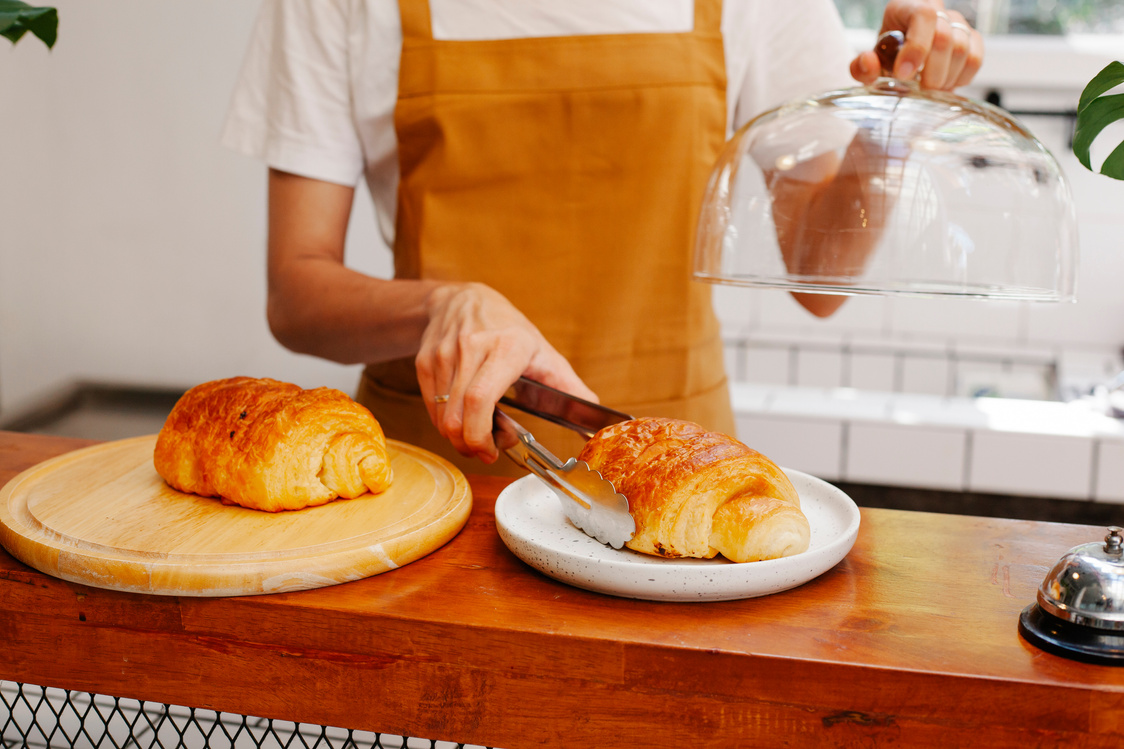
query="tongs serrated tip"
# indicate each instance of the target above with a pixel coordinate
(590, 501)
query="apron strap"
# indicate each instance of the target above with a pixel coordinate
(416, 23)
(708, 17)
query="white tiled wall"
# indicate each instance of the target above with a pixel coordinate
(896, 364)
(1031, 464)
(875, 370)
(1109, 474)
(988, 445)
(810, 445)
(906, 455)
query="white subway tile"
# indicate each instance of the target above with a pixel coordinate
(1026, 381)
(808, 445)
(815, 337)
(931, 375)
(1080, 369)
(1030, 464)
(959, 318)
(997, 350)
(872, 371)
(1109, 486)
(733, 307)
(749, 398)
(887, 343)
(733, 353)
(1030, 381)
(1046, 418)
(835, 403)
(934, 410)
(1097, 318)
(976, 379)
(819, 367)
(925, 457)
(768, 364)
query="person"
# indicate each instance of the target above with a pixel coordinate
(537, 168)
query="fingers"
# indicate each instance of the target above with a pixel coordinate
(489, 382)
(950, 52)
(475, 346)
(433, 365)
(458, 401)
(866, 68)
(919, 32)
(973, 56)
(940, 47)
(444, 362)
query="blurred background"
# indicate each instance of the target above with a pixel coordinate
(132, 255)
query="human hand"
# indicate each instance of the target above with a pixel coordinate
(938, 42)
(475, 346)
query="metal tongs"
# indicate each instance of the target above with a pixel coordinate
(590, 501)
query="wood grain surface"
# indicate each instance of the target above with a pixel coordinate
(104, 517)
(911, 640)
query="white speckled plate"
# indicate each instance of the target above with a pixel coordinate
(531, 523)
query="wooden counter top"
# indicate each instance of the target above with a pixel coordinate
(911, 639)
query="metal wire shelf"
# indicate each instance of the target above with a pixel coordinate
(38, 717)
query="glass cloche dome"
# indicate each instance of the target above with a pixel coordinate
(888, 189)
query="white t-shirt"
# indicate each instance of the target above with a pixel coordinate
(317, 90)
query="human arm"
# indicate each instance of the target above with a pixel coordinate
(830, 210)
(468, 341)
(318, 306)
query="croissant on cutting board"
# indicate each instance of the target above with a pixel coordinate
(271, 445)
(695, 493)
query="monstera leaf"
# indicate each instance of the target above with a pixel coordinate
(16, 19)
(1095, 111)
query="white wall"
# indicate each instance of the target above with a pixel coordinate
(132, 244)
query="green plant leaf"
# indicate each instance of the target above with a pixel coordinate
(17, 18)
(1095, 112)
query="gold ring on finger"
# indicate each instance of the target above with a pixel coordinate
(441, 399)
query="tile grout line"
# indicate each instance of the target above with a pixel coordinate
(966, 478)
(1094, 469)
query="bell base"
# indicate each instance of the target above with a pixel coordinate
(1076, 641)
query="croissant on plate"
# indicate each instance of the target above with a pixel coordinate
(271, 445)
(695, 493)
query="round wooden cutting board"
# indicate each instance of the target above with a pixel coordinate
(102, 516)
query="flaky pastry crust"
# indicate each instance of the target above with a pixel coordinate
(271, 445)
(695, 493)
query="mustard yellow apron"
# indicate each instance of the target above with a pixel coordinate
(567, 173)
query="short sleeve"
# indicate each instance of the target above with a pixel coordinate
(796, 48)
(291, 105)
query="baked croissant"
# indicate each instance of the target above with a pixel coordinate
(695, 493)
(271, 445)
